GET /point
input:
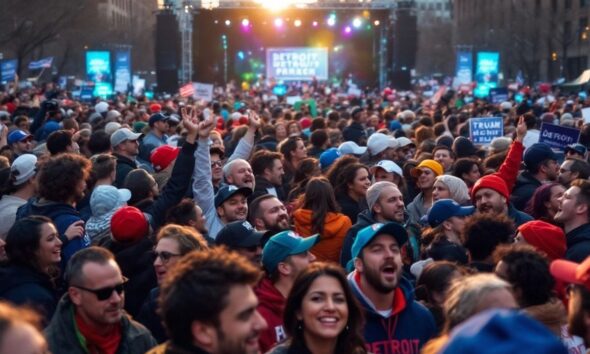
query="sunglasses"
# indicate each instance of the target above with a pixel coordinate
(164, 256)
(105, 293)
(216, 163)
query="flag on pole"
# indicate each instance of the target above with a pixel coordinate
(41, 63)
(187, 90)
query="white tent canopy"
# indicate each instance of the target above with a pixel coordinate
(581, 80)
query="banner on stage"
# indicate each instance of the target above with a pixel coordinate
(483, 130)
(558, 137)
(297, 63)
(486, 74)
(98, 66)
(464, 69)
(122, 70)
(498, 95)
(8, 68)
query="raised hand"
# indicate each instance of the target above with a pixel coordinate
(254, 121)
(206, 126)
(521, 129)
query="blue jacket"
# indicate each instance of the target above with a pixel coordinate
(408, 327)
(63, 215)
(518, 216)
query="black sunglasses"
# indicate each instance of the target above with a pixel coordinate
(164, 255)
(105, 293)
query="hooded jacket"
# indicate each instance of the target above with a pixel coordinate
(63, 335)
(524, 189)
(25, 286)
(271, 304)
(63, 215)
(578, 243)
(407, 328)
(365, 218)
(336, 226)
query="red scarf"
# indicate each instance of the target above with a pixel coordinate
(97, 343)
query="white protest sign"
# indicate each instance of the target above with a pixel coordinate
(586, 114)
(203, 91)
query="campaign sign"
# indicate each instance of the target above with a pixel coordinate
(498, 95)
(98, 66)
(483, 130)
(203, 91)
(486, 74)
(8, 68)
(558, 137)
(122, 70)
(297, 63)
(464, 68)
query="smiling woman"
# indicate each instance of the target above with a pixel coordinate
(34, 250)
(321, 314)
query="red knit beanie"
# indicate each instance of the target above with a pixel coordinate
(545, 237)
(128, 224)
(494, 182)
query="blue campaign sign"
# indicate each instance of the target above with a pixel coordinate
(297, 64)
(122, 70)
(558, 137)
(464, 67)
(499, 95)
(486, 74)
(483, 130)
(8, 68)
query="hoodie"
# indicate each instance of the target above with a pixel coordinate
(271, 304)
(63, 215)
(406, 329)
(365, 218)
(336, 226)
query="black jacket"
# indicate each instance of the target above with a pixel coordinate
(148, 316)
(124, 166)
(136, 263)
(62, 337)
(261, 186)
(365, 218)
(355, 132)
(22, 285)
(351, 207)
(523, 190)
(578, 243)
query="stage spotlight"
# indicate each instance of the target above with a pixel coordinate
(331, 20)
(245, 22)
(347, 29)
(314, 23)
(241, 55)
(297, 23)
(357, 22)
(279, 22)
(377, 22)
(228, 23)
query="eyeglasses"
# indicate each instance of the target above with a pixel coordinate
(164, 256)
(105, 293)
(216, 163)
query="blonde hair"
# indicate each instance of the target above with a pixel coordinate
(188, 239)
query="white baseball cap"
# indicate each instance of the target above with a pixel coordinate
(379, 142)
(351, 148)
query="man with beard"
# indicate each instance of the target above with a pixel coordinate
(571, 169)
(268, 213)
(574, 215)
(541, 166)
(578, 276)
(268, 171)
(284, 256)
(208, 306)
(386, 204)
(393, 318)
(61, 183)
(90, 317)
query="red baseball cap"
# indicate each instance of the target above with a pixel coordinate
(571, 272)
(155, 108)
(163, 156)
(128, 224)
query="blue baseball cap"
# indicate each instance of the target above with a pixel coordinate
(228, 191)
(283, 245)
(502, 331)
(156, 118)
(444, 209)
(366, 235)
(17, 135)
(328, 157)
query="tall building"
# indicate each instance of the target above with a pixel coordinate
(435, 29)
(543, 39)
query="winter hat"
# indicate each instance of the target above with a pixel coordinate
(163, 156)
(494, 182)
(155, 108)
(500, 144)
(106, 198)
(431, 164)
(101, 107)
(305, 123)
(545, 237)
(457, 187)
(129, 224)
(463, 147)
(502, 331)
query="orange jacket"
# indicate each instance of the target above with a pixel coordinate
(336, 226)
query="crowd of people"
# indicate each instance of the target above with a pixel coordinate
(342, 224)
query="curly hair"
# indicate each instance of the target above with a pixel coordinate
(60, 175)
(188, 239)
(484, 232)
(527, 271)
(197, 287)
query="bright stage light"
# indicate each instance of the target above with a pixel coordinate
(347, 29)
(331, 20)
(314, 23)
(357, 22)
(279, 22)
(377, 22)
(297, 23)
(245, 22)
(228, 23)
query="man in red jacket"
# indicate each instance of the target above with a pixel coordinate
(284, 256)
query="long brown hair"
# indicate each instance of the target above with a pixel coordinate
(350, 340)
(319, 198)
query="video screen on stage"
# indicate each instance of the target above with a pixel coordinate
(297, 64)
(98, 66)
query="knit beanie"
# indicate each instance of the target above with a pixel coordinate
(457, 187)
(494, 182)
(544, 237)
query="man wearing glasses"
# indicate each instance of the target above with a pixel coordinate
(90, 316)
